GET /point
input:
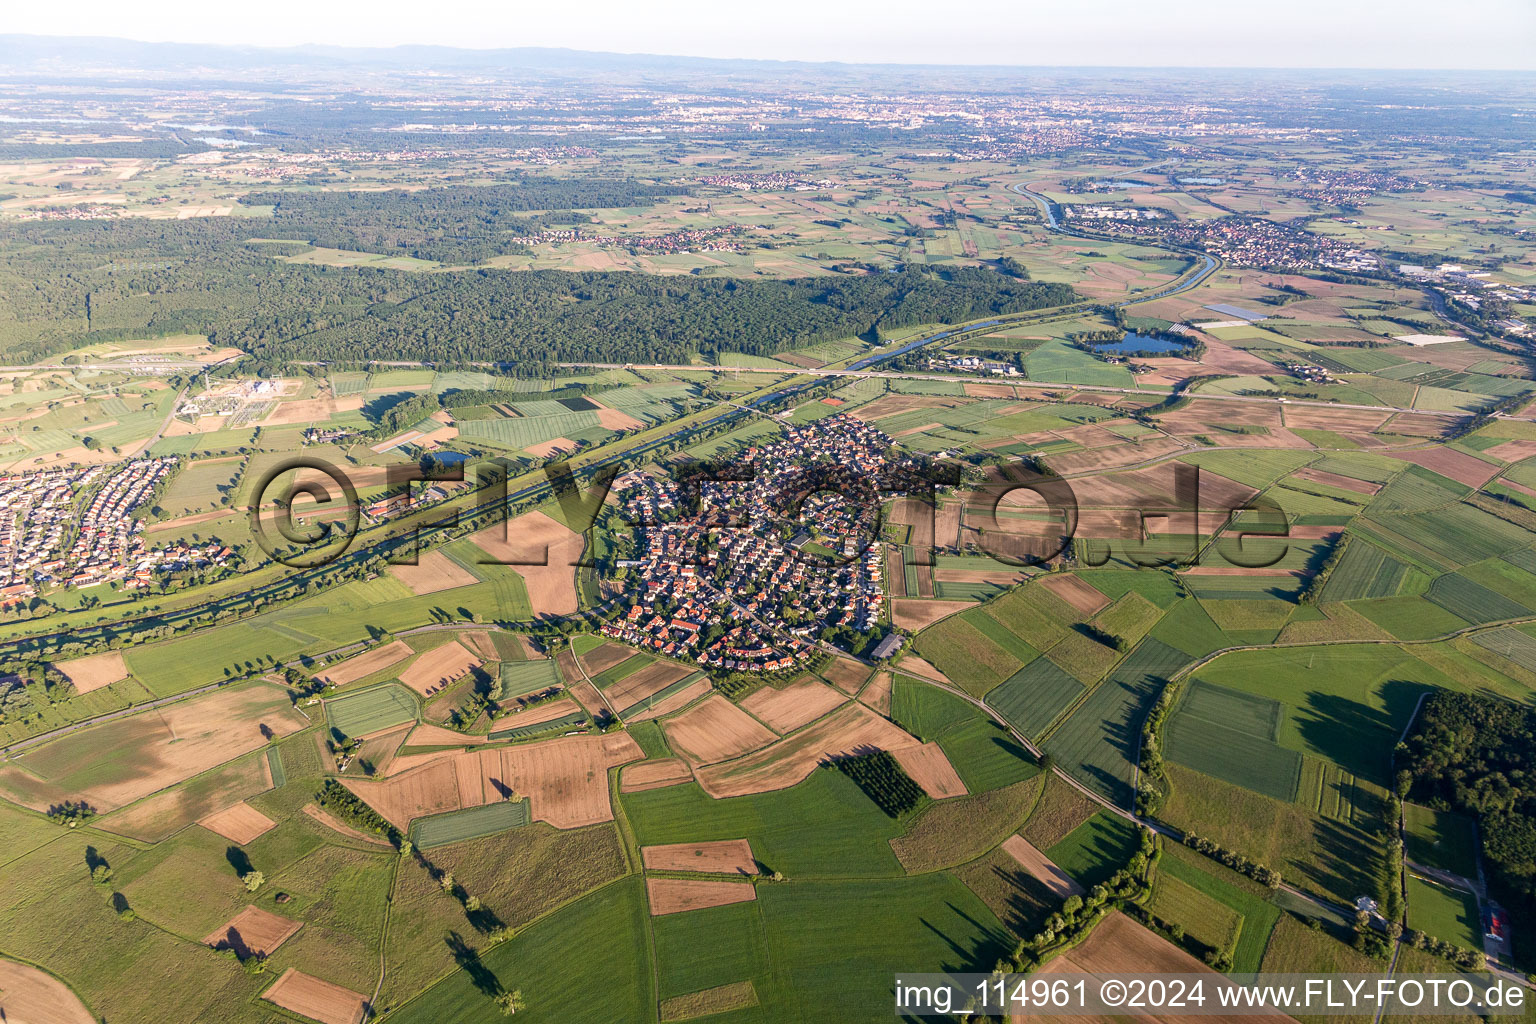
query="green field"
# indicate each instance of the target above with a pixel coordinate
(521, 677)
(470, 823)
(1443, 912)
(1231, 735)
(1096, 849)
(368, 711)
(1099, 742)
(1035, 696)
(1440, 839)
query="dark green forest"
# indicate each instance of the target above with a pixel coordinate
(451, 225)
(69, 283)
(1473, 754)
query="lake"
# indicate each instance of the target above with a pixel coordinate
(1133, 342)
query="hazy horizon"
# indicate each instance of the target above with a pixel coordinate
(1416, 35)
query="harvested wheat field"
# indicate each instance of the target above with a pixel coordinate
(308, 996)
(117, 762)
(1120, 946)
(852, 729)
(479, 641)
(721, 857)
(439, 666)
(253, 930)
(846, 674)
(1041, 867)
(31, 996)
(930, 768)
(1083, 598)
(912, 665)
(915, 613)
(312, 410)
(433, 572)
(156, 817)
(657, 774)
(548, 711)
(1448, 462)
(651, 679)
(601, 659)
(565, 779)
(93, 673)
(796, 704)
(588, 696)
(676, 895)
(715, 730)
(877, 695)
(239, 824)
(543, 553)
(676, 702)
(428, 735)
(360, 666)
(554, 446)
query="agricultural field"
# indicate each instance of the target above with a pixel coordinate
(539, 726)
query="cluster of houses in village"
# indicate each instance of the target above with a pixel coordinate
(47, 537)
(721, 238)
(767, 560)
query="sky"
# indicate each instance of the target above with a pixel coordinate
(1429, 34)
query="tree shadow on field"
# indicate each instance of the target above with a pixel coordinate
(1355, 736)
(1348, 862)
(238, 860)
(469, 960)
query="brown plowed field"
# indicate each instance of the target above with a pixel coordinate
(587, 694)
(308, 996)
(890, 405)
(601, 659)
(239, 824)
(715, 730)
(676, 895)
(93, 673)
(439, 666)
(930, 768)
(799, 702)
(721, 857)
(1346, 483)
(915, 613)
(366, 664)
(565, 779)
(253, 930)
(1417, 424)
(657, 774)
(1340, 420)
(1512, 451)
(653, 678)
(1041, 867)
(156, 817)
(550, 551)
(1120, 946)
(31, 996)
(433, 572)
(1125, 453)
(1448, 462)
(679, 700)
(117, 762)
(946, 527)
(1083, 598)
(851, 729)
